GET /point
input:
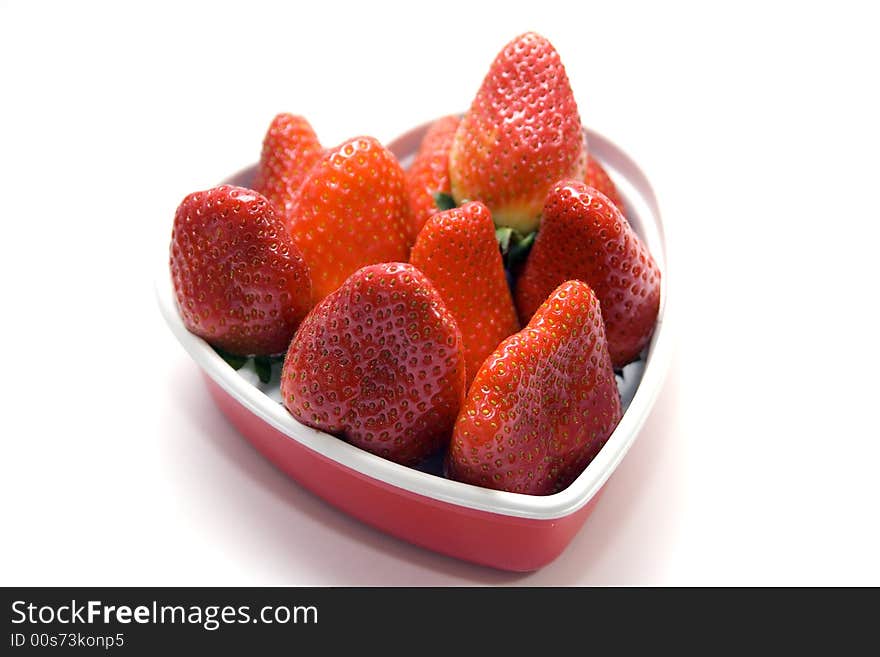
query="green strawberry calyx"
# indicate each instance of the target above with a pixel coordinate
(514, 245)
(444, 201)
(262, 364)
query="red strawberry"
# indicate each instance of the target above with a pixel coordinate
(350, 211)
(290, 148)
(583, 236)
(597, 178)
(240, 282)
(379, 363)
(544, 403)
(521, 134)
(429, 173)
(457, 250)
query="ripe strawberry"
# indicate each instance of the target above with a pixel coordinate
(543, 404)
(521, 134)
(379, 363)
(457, 250)
(350, 211)
(583, 236)
(597, 178)
(290, 148)
(429, 173)
(240, 282)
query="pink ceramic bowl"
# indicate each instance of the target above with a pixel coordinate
(510, 531)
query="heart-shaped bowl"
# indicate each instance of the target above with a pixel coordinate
(510, 531)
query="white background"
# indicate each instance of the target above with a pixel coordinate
(757, 123)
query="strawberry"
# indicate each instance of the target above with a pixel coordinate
(350, 211)
(240, 282)
(597, 178)
(584, 236)
(521, 134)
(379, 363)
(543, 404)
(429, 173)
(457, 250)
(290, 148)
